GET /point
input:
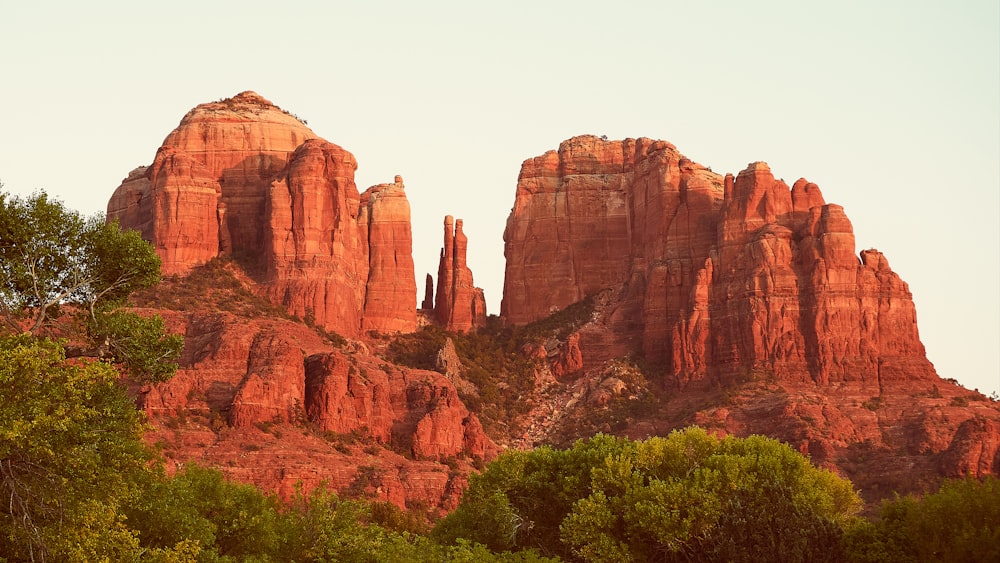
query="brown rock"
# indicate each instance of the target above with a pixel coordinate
(459, 306)
(392, 288)
(974, 450)
(428, 302)
(715, 277)
(273, 389)
(272, 375)
(568, 359)
(405, 407)
(224, 152)
(243, 177)
(448, 428)
(749, 300)
(316, 251)
(344, 396)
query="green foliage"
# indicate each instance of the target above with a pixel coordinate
(70, 451)
(523, 496)
(214, 286)
(42, 257)
(51, 256)
(226, 519)
(52, 259)
(559, 324)
(228, 522)
(961, 522)
(693, 495)
(139, 344)
(418, 349)
(687, 496)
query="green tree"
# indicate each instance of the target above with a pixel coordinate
(320, 526)
(689, 496)
(960, 522)
(693, 496)
(52, 260)
(70, 453)
(229, 521)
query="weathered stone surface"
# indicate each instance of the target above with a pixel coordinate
(567, 235)
(428, 302)
(459, 305)
(390, 297)
(749, 306)
(273, 376)
(243, 177)
(417, 409)
(273, 389)
(717, 277)
(316, 251)
(222, 153)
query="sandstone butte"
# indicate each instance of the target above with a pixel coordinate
(242, 178)
(721, 282)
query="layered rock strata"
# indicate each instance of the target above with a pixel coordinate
(715, 277)
(242, 177)
(240, 376)
(459, 305)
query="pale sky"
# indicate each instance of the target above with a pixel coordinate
(892, 107)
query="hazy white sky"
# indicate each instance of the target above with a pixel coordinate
(892, 107)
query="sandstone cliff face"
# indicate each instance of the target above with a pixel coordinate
(460, 305)
(269, 401)
(390, 299)
(206, 189)
(716, 277)
(750, 307)
(242, 177)
(417, 409)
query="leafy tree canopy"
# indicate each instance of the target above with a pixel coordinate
(70, 448)
(52, 259)
(960, 522)
(689, 495)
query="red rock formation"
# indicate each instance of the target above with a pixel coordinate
(271, 373)
(568, 358)
(734, 283)
(459, 306)
(315, 249)
(716, 277)
(243, 177)
(418, 408)
(225, 152)
(567, 235)
(390, 298)
(428, 302)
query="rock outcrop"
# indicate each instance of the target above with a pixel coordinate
(206, 190)
(715, 277)
(416, 409)
(242, 177)
(459, 305)
(751, 311)
(253, 390)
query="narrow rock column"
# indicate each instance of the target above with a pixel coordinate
(428, 302)
(460, 306)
